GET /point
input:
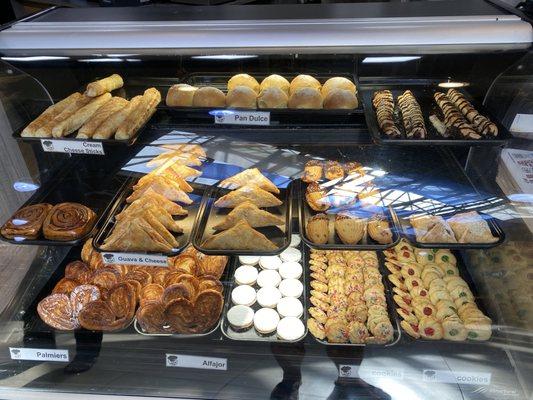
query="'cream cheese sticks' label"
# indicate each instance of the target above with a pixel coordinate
(72, 147)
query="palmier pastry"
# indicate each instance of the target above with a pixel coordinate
(349, 228)
(318, 229)
(208, 307)
(151, 292)
(178, 290)
(56, 311)
(183, 262)
(65, 286)
(97, 316)
(210, 282)
(333, 170)
(179, 314)
(312, 171)
(68, 221)
(78, 271)
(27, 222)
(105, 278)
(317, 197)
(211, 265)
(143, 277)
(122, 300)
(151, 317)
(379, 230)
(82, 295)
(87, 251)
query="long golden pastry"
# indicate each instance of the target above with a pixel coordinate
(102, 86)
(140, 114)
(110, 126)
(76, 120)
(46, 129)
(100, 116)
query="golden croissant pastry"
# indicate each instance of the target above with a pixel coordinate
(250, 213)
(251, 193)
(247, 177)
(68, 221)
(26, 222)
(240, 237)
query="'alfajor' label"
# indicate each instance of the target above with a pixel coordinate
(238, 117)
(198, 362)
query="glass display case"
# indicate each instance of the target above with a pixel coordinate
(279, 201)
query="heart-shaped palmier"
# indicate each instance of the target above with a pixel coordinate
(82, 295)
(158, 275)
(78, 271)
(211, 265)
(209, 282)
(56, 311)
(65, 286)
(105, 278)
(122, 300)
(96, 316)
(139, 275)
(151, 292)
(172, 278)
(151, 317)
(137, 287)
(178, 290)
(183, 262)
(179, 314)
(96, 261)
(207, 309)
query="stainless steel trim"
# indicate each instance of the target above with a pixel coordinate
(262, 35)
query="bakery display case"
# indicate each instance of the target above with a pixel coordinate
(267, 201)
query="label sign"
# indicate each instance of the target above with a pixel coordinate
(522, 123)
(134, 259)
(72, 147)
(183, 361)
(23, 353)
(375, 372)
(462, 377)
(237, 117)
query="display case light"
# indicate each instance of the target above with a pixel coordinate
(224, 57)
(99, 60)
(35, 58)
(376, 60)
(449, 84)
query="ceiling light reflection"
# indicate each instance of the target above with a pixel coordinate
(376, 60)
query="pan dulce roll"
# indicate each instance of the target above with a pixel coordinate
(241, 97)
(302, 81)
(305, 97)
(180, 95)
(243, 80)
(68, 221)
(276, 81)
(209, 97)
(272, 97)
(338, 82)
(340, 99)
(26, 222)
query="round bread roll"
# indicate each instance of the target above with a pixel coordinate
(305, 97)
(276, 81)
(241, 97)
(338, 82)
(243, 80)
(209, 97)
(272, 97)
(180, 95)
(340, 99)
(302, 81)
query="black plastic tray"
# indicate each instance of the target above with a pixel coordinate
(393, 315)
(251, 334)
(210, 216)
(366, 243)
(225, 279)
(409, 232)
(187, 223)
(423, 92)
(87, 191)
(463, 273)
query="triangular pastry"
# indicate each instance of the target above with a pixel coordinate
(247, 177)
(195, 149)
(437, 234)
(470, 227)
(140, 210)
(250, 213)
(136, 235)
(153, 223)
(170, 191)
(252, 193)
(166, 175)
(152, 197)
(176, 157)
(240, 237)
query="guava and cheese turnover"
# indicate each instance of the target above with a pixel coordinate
(247, 177)
(252, 193)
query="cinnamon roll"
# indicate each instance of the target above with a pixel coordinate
(68, 221)
(27, 222)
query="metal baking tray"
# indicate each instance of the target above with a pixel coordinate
(334, 242)
(88, 191)
(408, 231)
(72, 138)
(393, 315)
(220, 81)
(187, 223)
(423, 91)
(33, 322)
(463, 273)
(226, 284)
(210, 216)
(251, 334)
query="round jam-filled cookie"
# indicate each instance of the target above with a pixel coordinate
(249, 260)
(401, 292)
(429, 328)
(462, 293)
(240, 317)
(268, 277)
(290, 328)
(445, 256)
(290, 307)
(291, 269)
(449, 269)
(455, 281)
(407, 316)
(432, 268)
(412, 282)
(270, 262)
(396, 280)
(429, 277)
(419, 291)
(318, 314)
(411, 330)
(316, 329)
(409, 270)
(268, 296)
(437, 295)
(425, 310)
(295, 240)
(291, 255)
(357, 332)
(424, 256)
(437, 284)
(266, 320)
(246, 275)
(404, 245)
(401, 303)
(244, 295)
(453, 329)
(393, 268)
(478, 331)
(444, 312)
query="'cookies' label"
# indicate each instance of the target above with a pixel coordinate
(183, 361)
(461, 377)
(23, 353)
(135, 259)
(72, 147)
(237, 117)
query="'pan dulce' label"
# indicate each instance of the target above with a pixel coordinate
(238, 117)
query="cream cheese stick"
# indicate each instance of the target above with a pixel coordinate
(104, 85)
(100, 116)
(110, 126)
(140, 114)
